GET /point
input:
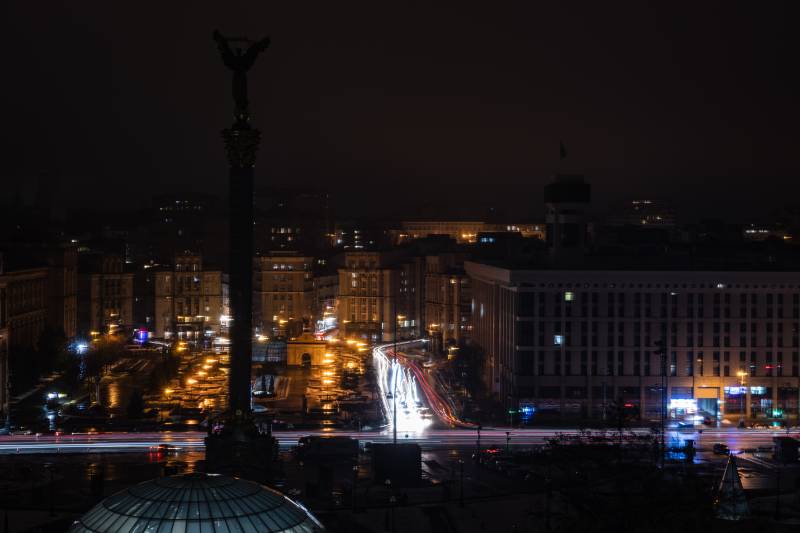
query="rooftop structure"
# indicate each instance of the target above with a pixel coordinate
(197, 502)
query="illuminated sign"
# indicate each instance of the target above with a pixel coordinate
(558, 340)
(689, 404)
(569, 296)
(735, 391)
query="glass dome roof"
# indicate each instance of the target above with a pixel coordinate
(198, 503)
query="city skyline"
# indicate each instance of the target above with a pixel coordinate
(377, 268)
(647, 101)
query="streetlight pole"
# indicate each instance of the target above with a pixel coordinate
(660, 350)
(392, 500)
(394, 378)
(355, 485)
(742, 396)
(461, 484)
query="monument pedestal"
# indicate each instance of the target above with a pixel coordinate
(240, 450)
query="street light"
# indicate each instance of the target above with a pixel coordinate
(461, 476)
(392, 500)
(355, 485)
(742, 394)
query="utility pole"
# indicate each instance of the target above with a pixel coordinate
(396, 366)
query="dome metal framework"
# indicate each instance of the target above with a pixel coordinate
(197, 503)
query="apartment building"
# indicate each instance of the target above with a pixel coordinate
(284, 287)
(106, 295)
(447, 300)
(191, 302)
(377, 288)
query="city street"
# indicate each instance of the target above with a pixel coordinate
(429, 439)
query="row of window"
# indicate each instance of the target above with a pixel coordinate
(541, 333)
(655, 305)
(646, 363)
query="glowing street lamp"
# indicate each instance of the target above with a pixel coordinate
(742, 394)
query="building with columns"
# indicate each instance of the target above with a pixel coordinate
(577, 342)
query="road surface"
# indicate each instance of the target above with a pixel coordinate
(428, 439)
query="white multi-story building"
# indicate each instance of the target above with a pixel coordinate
(577, 342)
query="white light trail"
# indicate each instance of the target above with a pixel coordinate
(394, 379)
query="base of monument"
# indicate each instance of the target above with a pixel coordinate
(240, 450)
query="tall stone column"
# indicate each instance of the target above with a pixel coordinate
(241, 144)
(237, 446)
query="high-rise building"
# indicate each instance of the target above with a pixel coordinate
(23, 318)
(578, 342)
(190, 301)
(105, 293)
(284, 292)
(292, 219)
(447, 299)
(377, 288)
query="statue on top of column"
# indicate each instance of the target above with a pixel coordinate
(239, 62)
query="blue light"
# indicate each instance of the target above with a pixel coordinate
(81, 348)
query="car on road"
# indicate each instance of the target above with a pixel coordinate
(721, 449)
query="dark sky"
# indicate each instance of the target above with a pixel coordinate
(691, 102)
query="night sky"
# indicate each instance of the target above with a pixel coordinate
(696, 104)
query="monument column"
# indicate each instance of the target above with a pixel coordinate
(241, 144)
(235, 444)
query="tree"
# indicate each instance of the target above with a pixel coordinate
(102, 353)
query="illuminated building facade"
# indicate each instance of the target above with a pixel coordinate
(190, 302)
(106, 293)
(463, 232)
(578, 342)
(25, 305)
(447, 300)
(284, 292)
(374, 287)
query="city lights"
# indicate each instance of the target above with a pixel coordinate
(398, 390)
